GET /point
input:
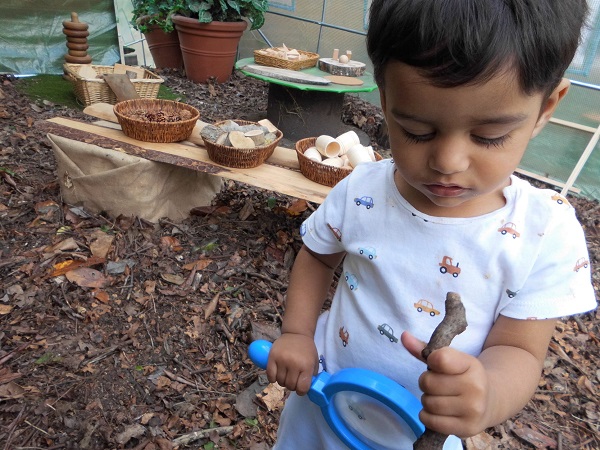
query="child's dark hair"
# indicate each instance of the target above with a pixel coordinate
(456, 42)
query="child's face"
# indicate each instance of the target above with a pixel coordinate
(455, 148)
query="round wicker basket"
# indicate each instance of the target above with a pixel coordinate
(128, 113)
(317, 172)
(241, 158)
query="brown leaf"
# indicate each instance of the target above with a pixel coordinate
(86, 277)
(272, 396)
(101, 243)
(200, 264)
(211, 306)
(533, 437)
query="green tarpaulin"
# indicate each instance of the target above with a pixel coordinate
(32, 39)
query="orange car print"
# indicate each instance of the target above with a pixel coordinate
(581, 262)
(509, 228)
(424, 305)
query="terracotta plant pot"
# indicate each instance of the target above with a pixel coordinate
(164, 48)
(208, 49)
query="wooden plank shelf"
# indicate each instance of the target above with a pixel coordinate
(280, 173)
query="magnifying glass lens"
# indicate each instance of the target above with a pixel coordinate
(372, 422)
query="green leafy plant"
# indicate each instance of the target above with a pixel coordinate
(207, 11)
(147, 13)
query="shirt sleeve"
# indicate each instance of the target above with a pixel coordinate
(559, 283)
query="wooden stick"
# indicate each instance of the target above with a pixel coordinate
(453, 323)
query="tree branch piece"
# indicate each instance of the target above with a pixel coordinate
(453, 323)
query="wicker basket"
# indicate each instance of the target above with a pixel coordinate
(241, 158)
(154, 131)
(317, 172)
(273, 61)
(96, 90)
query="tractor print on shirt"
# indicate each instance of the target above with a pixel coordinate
(344, 336)
(387, 331)
(509, 228)
(365, 201)
(446, 266)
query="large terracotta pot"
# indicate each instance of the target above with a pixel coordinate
(208, 49)
(164, 48)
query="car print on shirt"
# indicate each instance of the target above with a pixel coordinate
(368, 252)
(366, 201)
(424, 305)
(387, 331)
(344, 336)
(560, 200)
(303, 229)
(447, 267)
(351, 280)
(336, 232)
(511, 294)
(581, 262)
(509, 228)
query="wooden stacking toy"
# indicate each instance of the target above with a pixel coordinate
(77, 33)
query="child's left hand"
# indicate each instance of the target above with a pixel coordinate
(456, 390)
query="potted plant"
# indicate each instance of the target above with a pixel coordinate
(209, 33)
(153, 19)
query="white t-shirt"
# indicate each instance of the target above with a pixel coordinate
(526, 260)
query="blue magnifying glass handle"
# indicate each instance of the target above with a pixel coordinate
(359, 405)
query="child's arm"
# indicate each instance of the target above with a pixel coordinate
(293, 359)
(464, 395)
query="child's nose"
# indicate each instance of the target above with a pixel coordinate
(449, 156)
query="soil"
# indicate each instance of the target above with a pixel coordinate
(118, 333)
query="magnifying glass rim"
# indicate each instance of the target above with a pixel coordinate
(376, 386)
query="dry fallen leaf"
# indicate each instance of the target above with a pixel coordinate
(86, 277)
(272, 396)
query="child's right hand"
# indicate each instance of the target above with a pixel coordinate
(293, 360)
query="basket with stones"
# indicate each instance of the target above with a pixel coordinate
(240, 144)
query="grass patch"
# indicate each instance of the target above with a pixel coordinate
(55, 89)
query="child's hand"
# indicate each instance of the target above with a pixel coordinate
(293, 360)
(455, 389)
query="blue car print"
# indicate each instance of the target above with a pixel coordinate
(369, 252)
(366, 201)
(351, 280)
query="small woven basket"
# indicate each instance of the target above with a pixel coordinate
(273, 61)
(96, 90)
(241, 158)
(127, 113)
(317, 172)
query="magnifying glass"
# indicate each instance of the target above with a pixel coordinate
(365, 409)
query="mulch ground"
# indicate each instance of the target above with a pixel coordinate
(119, 333)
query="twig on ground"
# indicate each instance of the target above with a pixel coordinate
(202, 434)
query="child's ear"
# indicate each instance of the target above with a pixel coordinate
(550, 105)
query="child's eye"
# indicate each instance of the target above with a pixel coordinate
(489, 142)
(417, 138)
